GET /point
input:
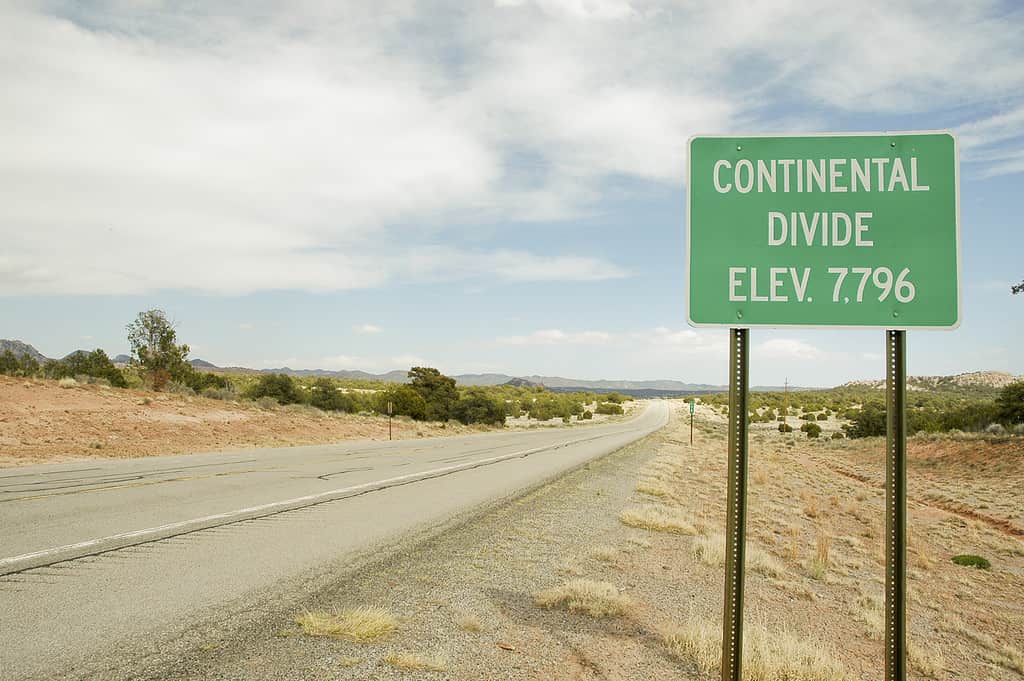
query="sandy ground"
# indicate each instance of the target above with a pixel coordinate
(466, 598)
(40, 422)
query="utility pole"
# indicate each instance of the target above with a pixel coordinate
(785, 408)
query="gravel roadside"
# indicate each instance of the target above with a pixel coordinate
(463, 598)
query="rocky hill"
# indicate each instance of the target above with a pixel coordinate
(20, 349)
(985, 380)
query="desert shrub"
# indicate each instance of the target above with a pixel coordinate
(268, 403)
(838, 435)
(823, 417)
(995, 429)
(1010, 403)
(9, 364)
(969, 560)
(199, 381)
(437, 390)
(178, 388)
(93, 364)
(219, 394)
(279, 387)
(609, 408)
(870, 421)
(807, 417)
(785, 428)
(12, 365)
(587, 415)
(405, 401)
(476, 407)
(812, 429)
(326, 395)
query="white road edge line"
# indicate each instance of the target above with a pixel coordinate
(309, 499)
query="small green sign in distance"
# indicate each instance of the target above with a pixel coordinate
(692, 406)
(826, 230)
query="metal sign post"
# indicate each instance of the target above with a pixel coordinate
(896, 507)
(736, 526)
(848, 230)
(390, 409)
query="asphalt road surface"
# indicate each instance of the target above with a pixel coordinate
(100, 558)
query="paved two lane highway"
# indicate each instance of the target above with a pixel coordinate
(98, 558)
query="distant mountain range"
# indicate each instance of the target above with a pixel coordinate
(659, 388)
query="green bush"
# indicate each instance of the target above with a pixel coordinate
(785, 427)
(823, 417)
(95, 364)
(25, 366)
(972, 561)
(609, 408)
(870, 421)
(405, 401)
(326, 395)
(587, 415)
(279, 387)
(437, 390)
(1010, 403)
(838, 435)
(476, 407)
(813, 430)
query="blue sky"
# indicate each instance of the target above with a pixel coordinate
(474, 186)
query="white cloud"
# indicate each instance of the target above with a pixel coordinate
(558, 337)
(577, 9)
(367, 328)
(320, 149)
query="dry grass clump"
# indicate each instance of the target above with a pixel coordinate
(657, 519)
(416, 663)
(817, 567)
(928, 664)
(67, 382)
(597, 599)
(694, 641)
(653, 487)
(764, 563)
(768, 656)
(604, 553)
(710, 549)
(361, 625)
(467, 621)
(872, 614)
(998, 653)
(793, 547)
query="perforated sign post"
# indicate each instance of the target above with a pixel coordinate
(823, 231)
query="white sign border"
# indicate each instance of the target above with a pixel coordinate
(768, 135)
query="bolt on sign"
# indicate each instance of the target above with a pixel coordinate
(830, 230)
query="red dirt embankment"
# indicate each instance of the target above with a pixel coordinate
(42, 422)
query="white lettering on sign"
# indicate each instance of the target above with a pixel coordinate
(821, 229)
(770, 292)
(822, 175)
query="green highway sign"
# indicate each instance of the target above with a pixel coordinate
(692, 406)
(828, 230)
